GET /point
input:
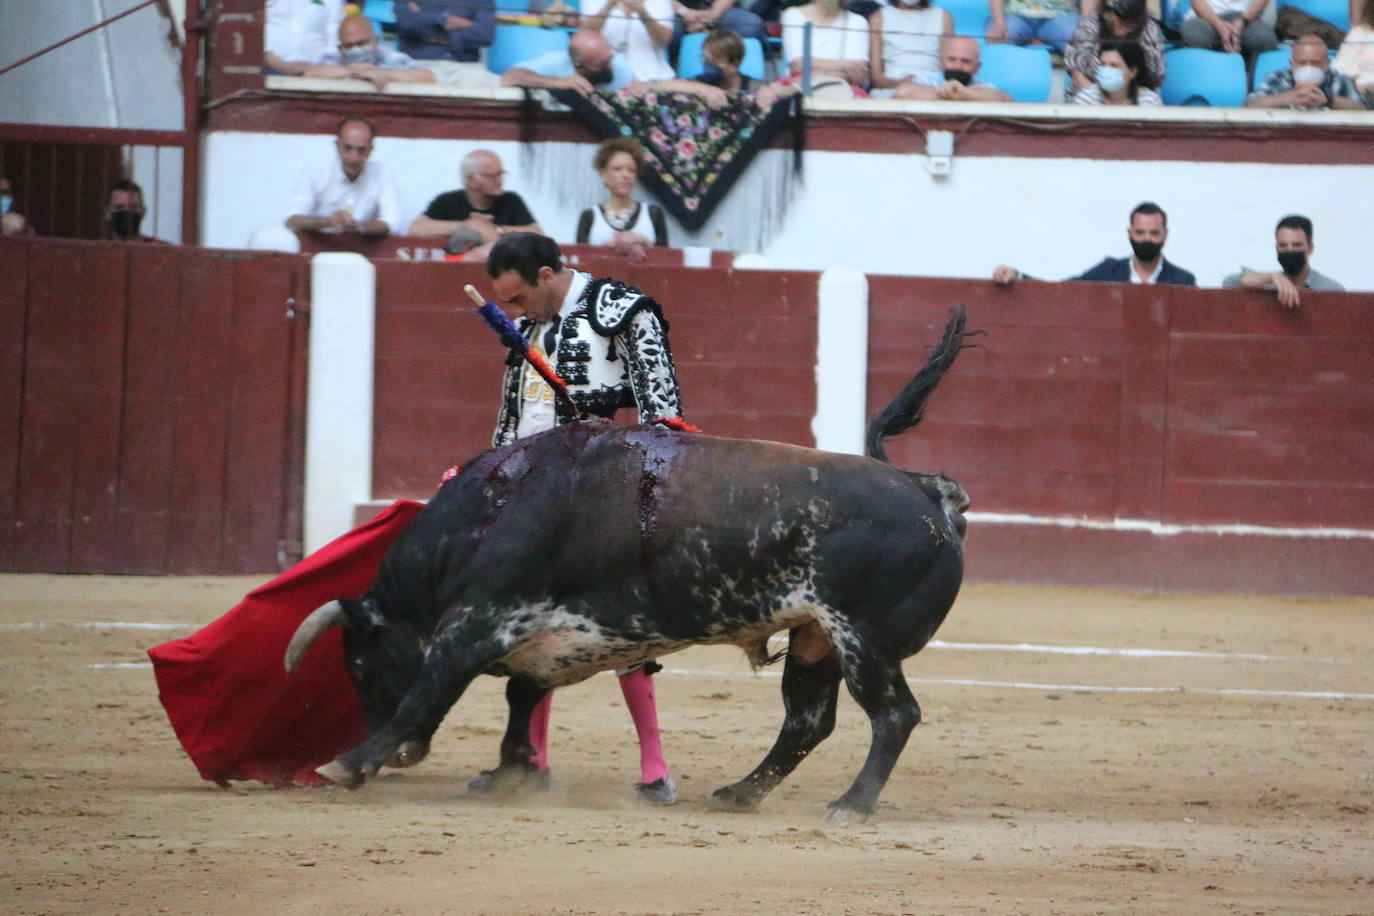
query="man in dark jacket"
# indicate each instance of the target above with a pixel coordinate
(1149, 228)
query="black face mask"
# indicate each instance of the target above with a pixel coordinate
(125, 223)
(1146, 251)
(601, 77)
(711, 75)
(959, 76)
(1292, 262)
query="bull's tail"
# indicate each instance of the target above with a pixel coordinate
(906, 408)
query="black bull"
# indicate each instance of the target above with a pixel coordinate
(593, 546)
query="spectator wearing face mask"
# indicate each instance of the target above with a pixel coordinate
(1119, 20)
(11, 221)
(1293, 245)
(588, 64)
(361, 57)
(957, 80)
(1123, 77)
(1147, 232)
(124, 212)
(1309, 84)
(722, 52)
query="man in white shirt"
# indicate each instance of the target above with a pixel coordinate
(348, 194)
(299, 33)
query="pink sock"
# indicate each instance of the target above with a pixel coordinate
(638, 689)
(539, 732)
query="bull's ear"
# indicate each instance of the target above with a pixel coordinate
(363, 615)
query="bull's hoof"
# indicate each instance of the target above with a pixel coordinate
(342, 774)
(409, 754)
(732, 801)
(509, 779)
(841, 816)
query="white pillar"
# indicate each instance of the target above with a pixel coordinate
(841, 361)
(338, 424)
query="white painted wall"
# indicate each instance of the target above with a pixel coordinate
(885, 213)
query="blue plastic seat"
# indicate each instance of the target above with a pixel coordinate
(1196, 73)
(1336, 12)
(516, 44)
(690, 64)
(970, 16)
(382, 13)
(1022, 72)
(1278, 59)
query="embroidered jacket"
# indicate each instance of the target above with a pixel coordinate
(612, 350)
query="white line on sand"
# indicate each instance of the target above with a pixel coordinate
(96, 625)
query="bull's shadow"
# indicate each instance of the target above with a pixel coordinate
(593, 546)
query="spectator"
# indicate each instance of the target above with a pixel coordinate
(1356, 57)
(299, 33)
(705, 15)
(1293, 241)
(13, 223)
(348, 194)
(124, 212)
(1148, 230)
(1309, 84)
(1123, 20)
(1123, 78)
(638, 30)
(905, 41)
(723, 52)
(621, 221)
(960, 60)
(839, 47)
(1052, 22)
(589, 63)
(443, 34)
(1230, 25)
(482, 205)
(360, 56)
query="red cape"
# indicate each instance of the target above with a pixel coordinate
(233, 706)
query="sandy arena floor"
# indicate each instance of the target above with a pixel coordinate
(1234, 777)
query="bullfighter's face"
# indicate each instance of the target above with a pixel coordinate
(539, 301)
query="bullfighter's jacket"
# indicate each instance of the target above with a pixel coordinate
(611, 349)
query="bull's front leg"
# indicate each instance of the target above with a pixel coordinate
(453, 660)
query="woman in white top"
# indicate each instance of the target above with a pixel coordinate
(1123, 78)
(621, 221)
(839, 47)
(905, 41)
(1356, 57)
(639, 30)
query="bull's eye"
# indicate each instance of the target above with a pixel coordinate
(357, 665)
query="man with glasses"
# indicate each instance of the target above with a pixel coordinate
(482, 204)
(347, 194)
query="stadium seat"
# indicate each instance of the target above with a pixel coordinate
(517, 43)
(1269, 61)
(1336, 12)
(1024, 73)
(690, 64)
(382, 13)
(1195, 73)
(970, 16)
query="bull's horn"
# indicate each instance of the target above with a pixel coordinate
(320, 620)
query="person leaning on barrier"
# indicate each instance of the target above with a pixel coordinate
(298, 33)
(589, 63)
(348, 193)
(360, 56)
(1147, 232)
(638, 30)
(124, 212)
(482, 204)
(722, 52)
(960, 60)
(1293, 245)
(1309, 84)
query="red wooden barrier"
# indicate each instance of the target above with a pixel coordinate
(152, 408)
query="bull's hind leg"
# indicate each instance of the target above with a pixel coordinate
(454, 659)
(809, 690)
(879, 688)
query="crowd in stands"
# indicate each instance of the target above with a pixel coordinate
(845, 49)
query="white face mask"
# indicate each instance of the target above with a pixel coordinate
(1110, 78)
(1308, 74)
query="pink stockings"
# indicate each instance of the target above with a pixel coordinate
(638, 690)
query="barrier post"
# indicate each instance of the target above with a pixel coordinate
(338, 424)
(841, 361)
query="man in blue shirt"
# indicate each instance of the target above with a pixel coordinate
(445, 29)
(588, 64)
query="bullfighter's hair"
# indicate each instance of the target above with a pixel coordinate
(907, 407)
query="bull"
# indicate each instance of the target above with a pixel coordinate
(594, 546)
